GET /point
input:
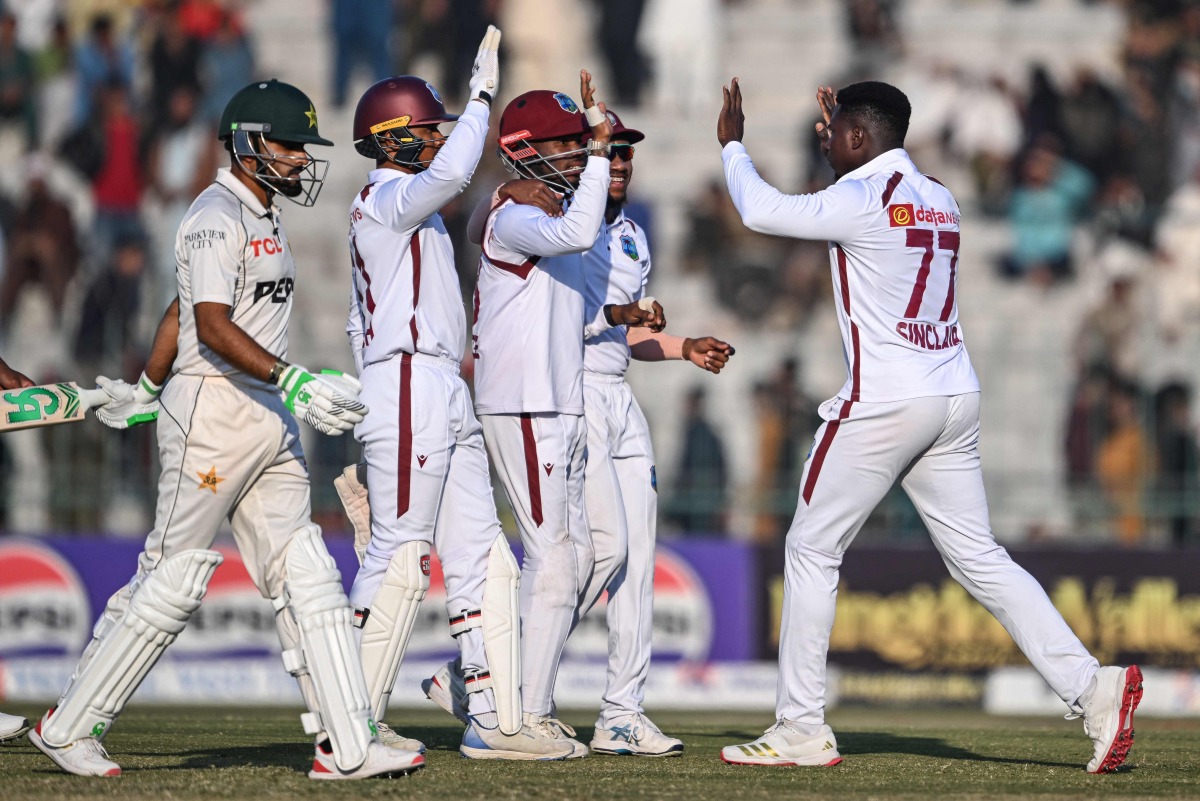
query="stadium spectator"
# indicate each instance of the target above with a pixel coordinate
(362, 31)
(42, 249)
(1178, 463)
(1049, 199)
(57, 84)
(117, 183)
(1108, 336)
(226, 65)
(620, 21)
(174, 64)
(105, 58)
(105, 335)
(986, 132)
(18, 117)
(698, 502)
(1124, 464)
(1085, 430)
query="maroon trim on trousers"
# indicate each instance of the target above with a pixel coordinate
(818, 458)
(892, 183)
(415, 249)
(405, 457)
(531, 469)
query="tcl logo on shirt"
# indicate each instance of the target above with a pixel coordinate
(268, 246)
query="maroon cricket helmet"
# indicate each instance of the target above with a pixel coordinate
(400, 102)
(540, 115)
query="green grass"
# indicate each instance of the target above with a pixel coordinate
(260, 754)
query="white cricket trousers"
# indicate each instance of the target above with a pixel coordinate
(228, 451)
(539, 458)
(427, 473)
(932, 446)
(622, 511)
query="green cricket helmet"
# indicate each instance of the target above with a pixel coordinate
(272, 111)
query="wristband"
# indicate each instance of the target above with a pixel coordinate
(148, 386)
(608, 307)
(594, 116)
(277, 371)
(597, 148)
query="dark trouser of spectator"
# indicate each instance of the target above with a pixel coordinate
(110, 227)
(362, 31)
(1056, 268)
(619, 23)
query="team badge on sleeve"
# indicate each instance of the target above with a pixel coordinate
(629, 247)
(900, 214)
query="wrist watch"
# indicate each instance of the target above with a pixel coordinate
(597, 148)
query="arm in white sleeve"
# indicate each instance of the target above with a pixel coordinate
(598, 324)
(529, 230)
(837, 214)
(404, 205)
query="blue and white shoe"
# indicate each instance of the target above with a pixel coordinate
(634, 735)
(484, 742)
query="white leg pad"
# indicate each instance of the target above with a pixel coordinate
(322, 611)
(158, 610)
(351, 488)
(502, 633)
(388, 624)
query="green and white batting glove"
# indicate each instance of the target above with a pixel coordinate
(131, 405)
(328, 401)
(485, 72)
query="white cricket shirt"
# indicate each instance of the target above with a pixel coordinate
(232, 250)
(893, 247)
(529, 310)
(617, 269)
(405, 295)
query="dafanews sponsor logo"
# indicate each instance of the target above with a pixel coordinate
(902, 215)
(43, 603)
(233, 618)
(683, 616)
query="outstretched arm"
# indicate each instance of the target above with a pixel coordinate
(707, 353)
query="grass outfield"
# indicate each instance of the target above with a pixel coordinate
(259, 754)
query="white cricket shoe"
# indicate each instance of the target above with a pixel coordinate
(1108, 716)
(784, 744)
(393, 739)
(447, 689)
(635, 735)
(12, 727)
(555, 729)
(381, 762)
(84, 757)
(483, 742)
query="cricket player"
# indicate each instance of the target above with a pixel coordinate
(12, 726)
(909, 410)
(528, 346)
(619, 479)
(230, 449)
(426, 463)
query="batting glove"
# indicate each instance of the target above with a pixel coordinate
(485, 72)
(328, 402)
(130, 405)
(351, 488)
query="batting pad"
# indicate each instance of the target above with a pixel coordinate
(157, 612)
(322, 611)
(502, 633)
(388, 624)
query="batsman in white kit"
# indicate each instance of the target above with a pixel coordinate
(229, 444)
(528, 345)
(426, 463)
(909, 411)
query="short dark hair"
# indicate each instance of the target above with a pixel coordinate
(881, 105)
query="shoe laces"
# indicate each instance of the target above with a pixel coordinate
(92, 748)
(562, 727)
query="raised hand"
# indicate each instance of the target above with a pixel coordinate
(485, 72)
(707, 353)
(601, 127)
(731, 122)
(826, 100)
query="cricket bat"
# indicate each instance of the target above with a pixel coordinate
(47, 405)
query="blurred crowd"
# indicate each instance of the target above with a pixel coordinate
(107, 117)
